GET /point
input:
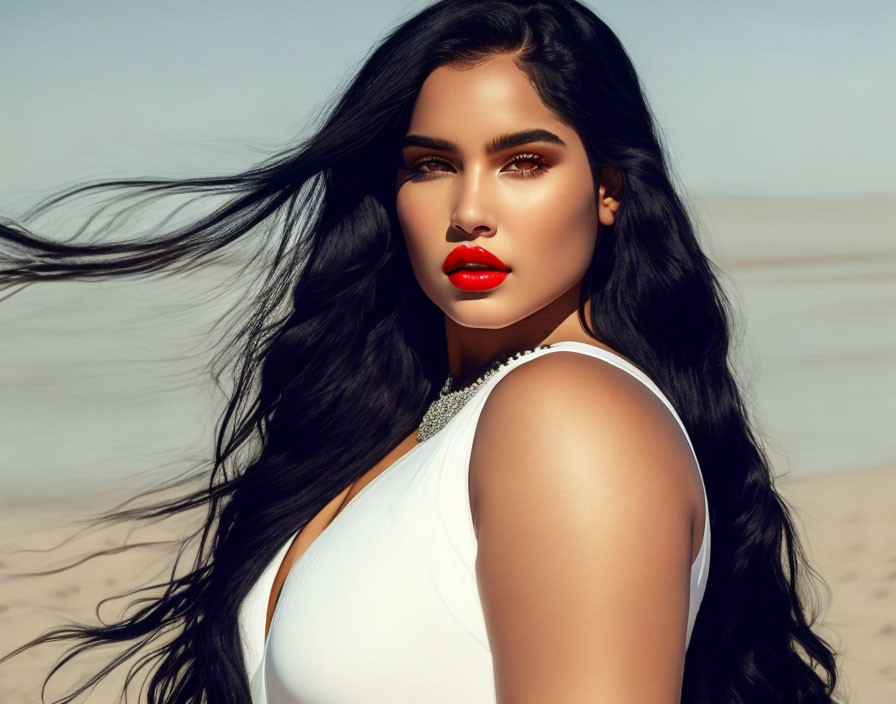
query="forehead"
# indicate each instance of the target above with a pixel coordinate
(471, 105)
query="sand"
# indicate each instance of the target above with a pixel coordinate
(847, 520)
(848, 524)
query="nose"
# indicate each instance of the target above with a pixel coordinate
(473, 214)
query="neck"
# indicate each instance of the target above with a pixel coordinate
(471, 351)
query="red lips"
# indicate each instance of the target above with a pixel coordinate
(476, 255)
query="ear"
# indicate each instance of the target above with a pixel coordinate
(608, 194)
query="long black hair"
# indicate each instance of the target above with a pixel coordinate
(340, 330)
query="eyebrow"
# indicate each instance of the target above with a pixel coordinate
(504, 141)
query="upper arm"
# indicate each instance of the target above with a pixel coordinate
(583, 490)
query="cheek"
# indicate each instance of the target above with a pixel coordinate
(557, 225)
(418, 222)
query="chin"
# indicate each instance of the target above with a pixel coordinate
(475, 313)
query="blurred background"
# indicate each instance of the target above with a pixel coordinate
(778, 119)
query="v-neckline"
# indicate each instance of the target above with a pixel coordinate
(267, 636)
(289, 543)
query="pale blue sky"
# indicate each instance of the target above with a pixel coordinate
(759, 98)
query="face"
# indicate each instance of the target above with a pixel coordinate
(488, 166)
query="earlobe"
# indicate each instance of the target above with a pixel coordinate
(608, 203)
(607, 206)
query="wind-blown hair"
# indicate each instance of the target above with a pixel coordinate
(341, 352)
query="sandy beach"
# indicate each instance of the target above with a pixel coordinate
(847, 520)
(43, 536)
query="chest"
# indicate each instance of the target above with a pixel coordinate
(387, 593)
(317, 525)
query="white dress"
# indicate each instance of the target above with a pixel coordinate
(383, 606)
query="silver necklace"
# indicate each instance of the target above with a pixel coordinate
(449, 402)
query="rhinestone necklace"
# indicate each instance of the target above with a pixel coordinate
(449, 402)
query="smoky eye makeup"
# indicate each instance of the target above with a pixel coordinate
(540, 165)
(522, 165)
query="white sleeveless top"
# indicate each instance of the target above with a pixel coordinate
(383, 606)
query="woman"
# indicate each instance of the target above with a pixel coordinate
(488, 201)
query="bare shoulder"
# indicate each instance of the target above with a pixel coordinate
(584, 493)
(565, 405)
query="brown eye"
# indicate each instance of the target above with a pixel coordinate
(429, 163)
(527, 165)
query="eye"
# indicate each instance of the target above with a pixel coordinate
(534, 165)
(428, 165)
(523, 165)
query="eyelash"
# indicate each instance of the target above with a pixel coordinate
(537, 159)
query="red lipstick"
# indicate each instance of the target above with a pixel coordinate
(474, 268)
